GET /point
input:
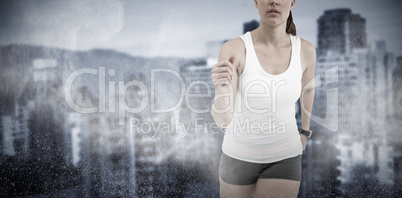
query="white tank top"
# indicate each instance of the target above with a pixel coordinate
(263, 128)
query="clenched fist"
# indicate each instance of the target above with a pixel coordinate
(222, 73)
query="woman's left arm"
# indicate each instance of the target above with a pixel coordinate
(308, 59)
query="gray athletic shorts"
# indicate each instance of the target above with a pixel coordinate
(239, 172)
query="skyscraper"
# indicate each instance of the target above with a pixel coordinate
(396, 134)
(397, 88)
(250, 26)
(341, 31)
(362, 73)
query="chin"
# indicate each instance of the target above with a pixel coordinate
(271, 22)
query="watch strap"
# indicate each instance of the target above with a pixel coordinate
(307, 133)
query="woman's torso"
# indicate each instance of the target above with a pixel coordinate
(264, 127)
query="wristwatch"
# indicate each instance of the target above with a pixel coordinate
(306, 133)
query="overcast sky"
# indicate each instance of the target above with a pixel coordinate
(171, 27)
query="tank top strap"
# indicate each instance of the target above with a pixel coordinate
(246, 39)
(250, 58)
(297, 47)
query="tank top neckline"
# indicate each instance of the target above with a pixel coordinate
(258, 61)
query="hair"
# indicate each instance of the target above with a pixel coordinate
(290, 26)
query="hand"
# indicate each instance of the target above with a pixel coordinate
(303, 139)
(222, 73)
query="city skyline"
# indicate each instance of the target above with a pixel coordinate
(161, 28)
(93, 156)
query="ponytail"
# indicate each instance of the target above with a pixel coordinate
(290, 26)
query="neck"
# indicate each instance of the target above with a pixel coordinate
(275, 36)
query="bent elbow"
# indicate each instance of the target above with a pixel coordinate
(223, 119)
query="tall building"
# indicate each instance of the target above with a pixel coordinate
(360, 73)
(106, 151)
(397, 88)
(48, 141)
(75, 124)
(196, 110)
(92, 154)
(146, 147)
(250, 26)
(117, 141)
(47, 76)
(16, 130)
(145, 143)
(45, 70)
(341, 31)
(396, 135)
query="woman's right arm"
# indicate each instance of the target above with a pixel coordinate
(224, 78)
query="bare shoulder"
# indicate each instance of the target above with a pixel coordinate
(307, 48)
(234, 47)
(308, 53)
